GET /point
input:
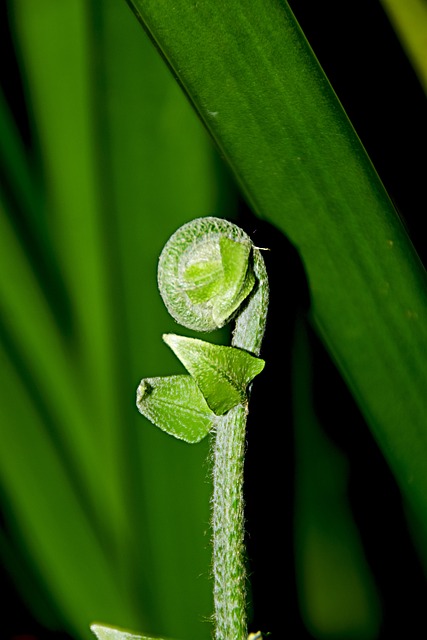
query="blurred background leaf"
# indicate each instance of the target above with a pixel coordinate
(114, 161)
(103, 517)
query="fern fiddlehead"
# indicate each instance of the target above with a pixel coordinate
(210, 273)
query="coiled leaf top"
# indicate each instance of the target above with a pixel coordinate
(205, 273)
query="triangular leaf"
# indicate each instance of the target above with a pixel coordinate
(176, 405)
(103, 632)
(222, 373)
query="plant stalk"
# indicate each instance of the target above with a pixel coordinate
(228, 530)
(228, 526)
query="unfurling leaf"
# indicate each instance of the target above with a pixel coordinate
(222, 373)
(176, 405)
(206, 272)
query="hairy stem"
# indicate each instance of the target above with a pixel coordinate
(228, 526)
(209, 273)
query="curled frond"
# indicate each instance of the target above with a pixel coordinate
(205, 272)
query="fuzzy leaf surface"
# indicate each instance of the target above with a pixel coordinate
(222, 373)
(176, 405)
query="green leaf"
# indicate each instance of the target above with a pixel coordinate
(176, 405)
(103, 632)
(222, 373)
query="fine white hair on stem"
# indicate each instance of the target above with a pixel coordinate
(210, 273)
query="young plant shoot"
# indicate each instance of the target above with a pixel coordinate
(210, 273)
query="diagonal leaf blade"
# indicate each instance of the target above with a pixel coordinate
(302, 167)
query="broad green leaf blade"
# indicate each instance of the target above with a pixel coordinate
(176, 405)
(103, 632)
(222, 373)
(256, 84)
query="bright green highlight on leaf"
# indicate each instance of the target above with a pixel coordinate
(222, 373)
(112, 633)
(176, 405)
(224, 283)
(203, 280)
(238, 278)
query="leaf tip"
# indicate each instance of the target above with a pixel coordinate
(144, 389)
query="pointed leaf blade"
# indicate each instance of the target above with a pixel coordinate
(176, 405)
(103, 632)
(222, 373)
